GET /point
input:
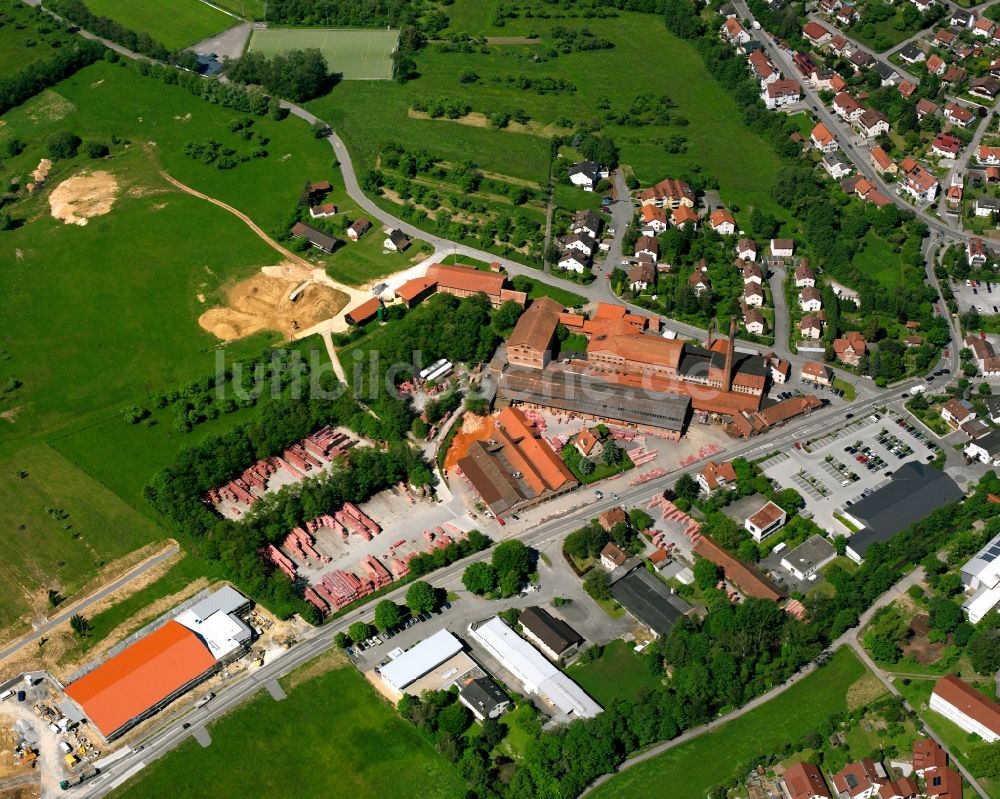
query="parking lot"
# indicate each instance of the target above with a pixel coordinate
(984, 297)
(835, 471)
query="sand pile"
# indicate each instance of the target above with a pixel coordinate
(83, 196)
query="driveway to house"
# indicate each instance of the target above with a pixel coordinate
(81, 605)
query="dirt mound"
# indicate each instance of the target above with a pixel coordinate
(262, 303)
(83, 196)
(474, 428)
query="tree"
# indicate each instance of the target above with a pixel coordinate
(421, 597)
(596, 584)
(480, 578)
(512, 557)
(80, 626)
(96, 149)
(359, 631)
(945, 615)
(686, 487)
(388, 616)
(510, 583)
(612, 454)
(55, 598)
(342, 640)
(985, 760)
(640, 519)
(453, 719)
(984, 652)
(320, 130)
(706, 573)
(63, 145)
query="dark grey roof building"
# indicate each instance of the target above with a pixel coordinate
(649, 600)
(484, 698)
(553, 636)
(915, 490)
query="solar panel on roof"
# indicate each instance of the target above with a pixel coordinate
(988, 558)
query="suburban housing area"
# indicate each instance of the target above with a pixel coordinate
(405, 391)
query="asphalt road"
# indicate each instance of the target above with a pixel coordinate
(83, 604)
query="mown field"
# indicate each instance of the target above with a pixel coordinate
(58, 526)
(369, 114)
(174, 23)
(691, 769)
(352, 54)
(333, 736)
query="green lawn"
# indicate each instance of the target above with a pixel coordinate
(884, 34)
(540, 289)
(174, 23)
(619, 674)
(693, 768)
(367, 114)
(353, 54)
(59, 526)
(918, 693)
(361, 262)
(333, 736)
(847, 387)
(28, 35)
(875, 257)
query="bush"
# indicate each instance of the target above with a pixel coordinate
(97, 150)
(63, 145)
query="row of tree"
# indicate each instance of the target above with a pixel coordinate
(296, 75)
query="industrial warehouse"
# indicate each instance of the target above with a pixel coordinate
(150, 673)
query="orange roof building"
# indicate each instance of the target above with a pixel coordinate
(142, 679)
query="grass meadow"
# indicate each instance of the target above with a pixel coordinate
(27, 35)
(58, 526)
(176, 24)
(368, 114)
(618, 674)
(332, 736)
(353, 54)
(693, 768)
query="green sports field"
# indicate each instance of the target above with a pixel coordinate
(353, 54)
(174, 23)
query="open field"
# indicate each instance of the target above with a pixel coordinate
(333, 728)
(352, 54)
(174, 23)
(619, 674)
(28, 36)
(248, 9)
(695, 767)
(367, 114)
(357, 263)
(59, 526)
(877, 258)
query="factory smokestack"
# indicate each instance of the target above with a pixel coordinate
(727, 378)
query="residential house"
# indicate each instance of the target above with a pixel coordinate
(881, 161)
(752, 273)
(766, 520)
(716, 475)
(734, 33)
(906, 89)
(581, 242)
(722, 222)
(926, 107)
(358, 229)
(931, 763)
(943, 38)
(923, 6)
(317, 238)
(846, 107)
(586, 175)
(782, 248)
(647, 245)
(396, 241)
(957, 412)
(746, 250)
(953, 74)
(781, 93)
(810, 299)
(762, 68)
(323, 211)
(961, 18)
(918, 182)
(699, 281)
(822, 139)
(805, 781)
(554, 637)
(753, 321)
(981, 348)
(976, 252)
(985, 449)
(936, 65)
(986, 206)
(992, 404)
(654, 220)
(822, 79)
(839, 45)
(816, 34)
(988, 155)
(860, 60)
(886, 72)
(946, 146)
(963, 705)
(836, 165)
(860, 780)
(818, 373)
(683, 215)
(587, 222)
(911, 54)
(847, 15)
(850, 348)
(987, 87)
(957, 115)
(753, 295)
(804, 275)
(872, 123)
(984, 27)
(668, 193)
(573, 261)
(810, 327)
(586, 443)
(780, 370)
(484, 698)
(642, 275)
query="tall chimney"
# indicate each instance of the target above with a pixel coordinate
(708, 339)
(727, 378)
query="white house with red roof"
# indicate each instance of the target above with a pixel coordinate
(846, 107)
(746, 250)
(816, 34)
(957, 115)
(781, 93)
(722, 222)
(822, 139)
